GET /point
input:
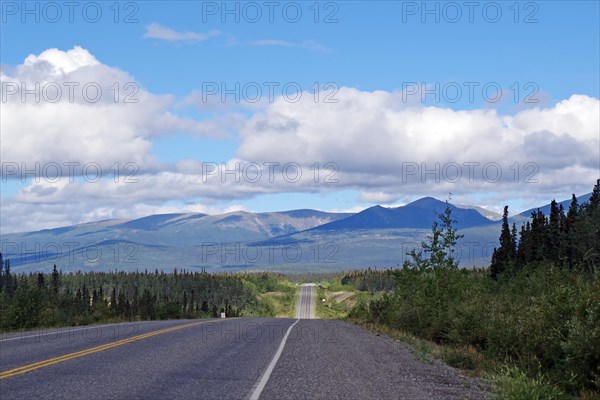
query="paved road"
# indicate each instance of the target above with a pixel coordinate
(305, 305)
(238, 358)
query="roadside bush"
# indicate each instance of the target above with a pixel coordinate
(545, 322)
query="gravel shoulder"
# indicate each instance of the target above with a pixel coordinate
(328, 359)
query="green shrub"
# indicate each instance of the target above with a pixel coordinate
(513, 384)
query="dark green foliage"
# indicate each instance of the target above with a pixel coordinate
(370, 280)
(55, 280)
(569, 241)
(546, 320)
(26, 301)
(438, 251)
(504, 257)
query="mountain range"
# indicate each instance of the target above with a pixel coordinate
(290, 241)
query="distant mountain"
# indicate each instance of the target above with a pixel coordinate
(292, 241)
(565, 203)
(419, 214)
(491, 215)
(155, 240)
(155, 222)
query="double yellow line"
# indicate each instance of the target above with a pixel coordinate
(66, 357)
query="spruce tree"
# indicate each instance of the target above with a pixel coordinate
(553, 235)
(504, 256)
(55, 280)
(41, 281)
(113, 300)
(570, 233)
(594, 203)
(513, 239)
(10, 282)
(539, 237)
(1, 273)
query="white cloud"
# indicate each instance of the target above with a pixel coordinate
(351, 210)
(377, 197)
(378, 141)
(157, 31)
(83, 111)
(60, 62)
(309, 45)
(273, 42)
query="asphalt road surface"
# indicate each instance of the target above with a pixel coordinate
(237, 358)
(305, 305)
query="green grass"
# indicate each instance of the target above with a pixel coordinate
(513, 384)
(283, 302)
(507, 382)
(332, 308)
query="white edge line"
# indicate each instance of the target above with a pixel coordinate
(267, 374)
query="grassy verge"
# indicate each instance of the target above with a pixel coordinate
(334, 301)
(506, 382)
(281, 303)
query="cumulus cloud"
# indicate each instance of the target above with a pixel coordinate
(66, 106)
(157, 31)
(382, 144)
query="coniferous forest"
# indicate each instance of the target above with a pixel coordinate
(56, 299)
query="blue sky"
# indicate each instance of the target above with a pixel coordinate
(549, 50)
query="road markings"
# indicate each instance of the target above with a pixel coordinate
(305, 304)
(61, 332)
(267, 374)
(66, 357)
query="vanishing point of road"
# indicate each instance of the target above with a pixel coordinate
(233, 358)
(305, 305)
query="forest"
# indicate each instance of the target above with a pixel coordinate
(55, 299)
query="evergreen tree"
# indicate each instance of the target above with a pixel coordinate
(85, 298)
(113, 299)
(594, 203)
(185, 301)
(538, 237)
(122, 304)
(55, 280)
(570, 233)
(514, 241)
(522, 246)
(590, 232)
(504, 256)
(1, 274)
(10, 282)
(553, 235)
(94, 299)
(40, 281)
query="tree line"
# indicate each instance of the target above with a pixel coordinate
(566, 240)
(57, 299)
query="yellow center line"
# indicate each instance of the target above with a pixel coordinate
(70, 356)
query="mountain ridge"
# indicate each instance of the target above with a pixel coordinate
(375, 236)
